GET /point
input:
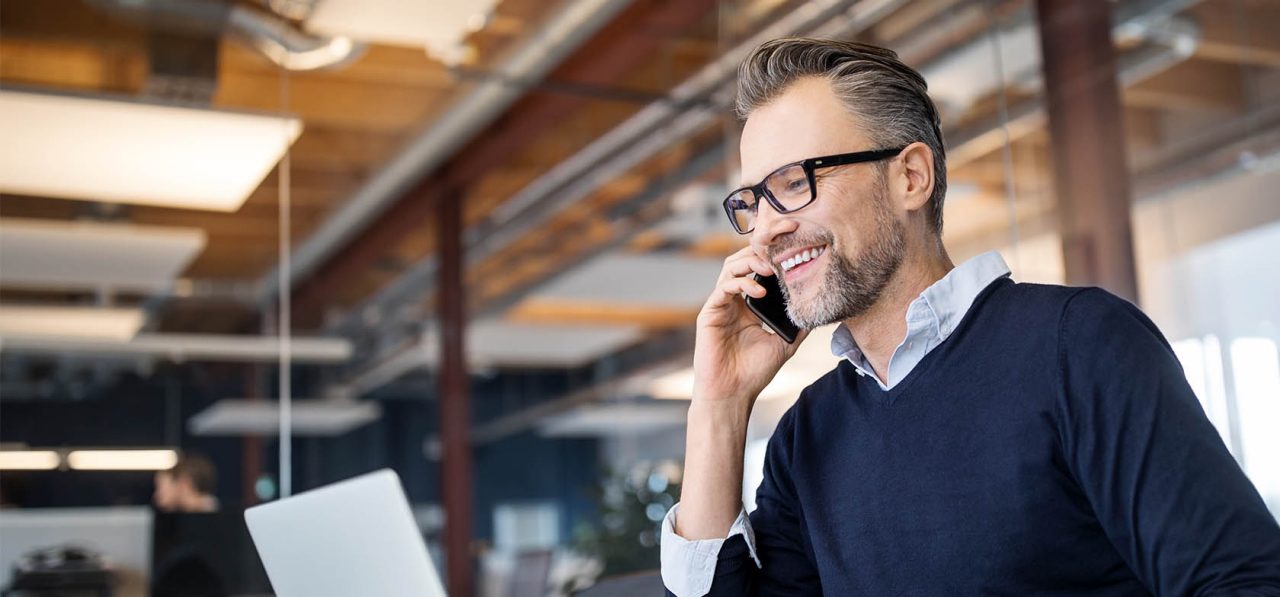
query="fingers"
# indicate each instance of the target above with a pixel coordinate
(735, 287)
(736, 281)
(744, 263)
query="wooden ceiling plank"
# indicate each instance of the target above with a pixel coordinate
(1193, 85)
(1239, 33)
(565, 312)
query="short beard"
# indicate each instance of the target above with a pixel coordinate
(849, 289)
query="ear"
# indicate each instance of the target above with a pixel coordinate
(916, 172)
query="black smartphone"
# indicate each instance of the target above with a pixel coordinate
(772, 309)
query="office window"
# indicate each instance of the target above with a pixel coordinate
(526, 526)
(1257, 381)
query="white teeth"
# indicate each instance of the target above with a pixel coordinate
(802, 257)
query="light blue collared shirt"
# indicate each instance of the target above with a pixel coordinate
(688, 567)
(931, 318)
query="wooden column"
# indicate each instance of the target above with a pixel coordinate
(1091, 177)
(455, 399)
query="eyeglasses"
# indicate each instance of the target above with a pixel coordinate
(790, 187)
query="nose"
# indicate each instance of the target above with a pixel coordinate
(770, 225)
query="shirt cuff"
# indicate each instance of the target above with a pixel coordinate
(689, 567)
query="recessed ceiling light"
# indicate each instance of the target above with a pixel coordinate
(29, 460)
(309, 417)
(122, 151)
(441, 26)
(122, 460)
(56, 254)
(70, 322)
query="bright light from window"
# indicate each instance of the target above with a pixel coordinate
(1256, 368)
(753, 471)
(29, 460)
(1202, 362)
(122, 460)
(677, 385)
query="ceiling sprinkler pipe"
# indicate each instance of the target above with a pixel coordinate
(272, 36)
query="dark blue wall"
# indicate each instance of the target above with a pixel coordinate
(132, 411)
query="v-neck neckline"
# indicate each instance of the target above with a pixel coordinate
(891, 395)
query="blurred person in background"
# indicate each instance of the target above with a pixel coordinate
(979, 436)
(187, 487)
(185, 569)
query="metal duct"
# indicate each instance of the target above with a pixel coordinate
(273, 37)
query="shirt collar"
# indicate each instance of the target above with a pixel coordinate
(946, 301)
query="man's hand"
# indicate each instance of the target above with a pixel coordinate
(734, 358)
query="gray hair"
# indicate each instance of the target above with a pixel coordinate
(889, 98)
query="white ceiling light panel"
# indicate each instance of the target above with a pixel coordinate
(132, 152)
(608, 420)
(29, 460)
(653, 280)
(439, 25)
(122, 460)
(499, 343)
(262, 417)
(92, 323)
(51, 254)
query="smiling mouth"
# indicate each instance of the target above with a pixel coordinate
(802, 257)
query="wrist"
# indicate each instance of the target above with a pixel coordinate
(720, 414)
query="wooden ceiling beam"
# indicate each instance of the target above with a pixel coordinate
(1239, 32)
(74, 65)
(1194, 85)
(554, 311)
(338, 103)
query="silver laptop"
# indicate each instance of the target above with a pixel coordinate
(356, 537)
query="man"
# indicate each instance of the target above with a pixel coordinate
(187, 487)
(979, 436)
(184, 496)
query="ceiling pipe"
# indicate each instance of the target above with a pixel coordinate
(270, 35)
(289, 47)
(573, 24)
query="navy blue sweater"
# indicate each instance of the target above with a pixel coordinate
(1050, 446)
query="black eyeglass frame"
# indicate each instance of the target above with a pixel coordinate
(810, 165)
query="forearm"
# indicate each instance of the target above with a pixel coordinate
(711, 498)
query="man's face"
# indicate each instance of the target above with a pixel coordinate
(852, 223)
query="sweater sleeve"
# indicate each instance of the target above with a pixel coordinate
(781, 540)
(1164, 488)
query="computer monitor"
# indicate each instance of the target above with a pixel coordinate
(356, 537)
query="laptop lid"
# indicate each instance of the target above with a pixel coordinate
(355, 537)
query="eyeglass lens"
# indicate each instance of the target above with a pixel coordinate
(789, 187)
